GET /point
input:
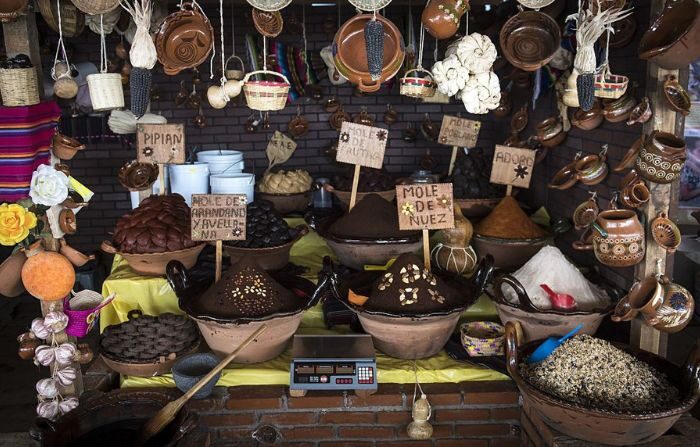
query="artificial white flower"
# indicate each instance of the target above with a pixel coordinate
(49, 187)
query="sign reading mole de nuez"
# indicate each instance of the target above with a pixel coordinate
(218, 217)
(425, 206)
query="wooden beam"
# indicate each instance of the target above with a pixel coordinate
(22, 36)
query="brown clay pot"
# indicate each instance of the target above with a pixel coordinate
(677, 97)
(509, 253)
(65, 147)
(673, 40)
(10, 275)
(539, 323)
(592, 169)
(356, 254)
(566, 177)
(665, 233)
(645, 297)
(676, 310)
(529, 40)
(350, 54)
(641, 113)
(618, 110)
(154, 264)
(630, 156)
(287, 203)
(601, 426)
(272, 258)
(441, 17)
(661, 157)
(147, 369)
(184, 39)
(633, 191)
(588, 120)
(137, 176)
(618, 239)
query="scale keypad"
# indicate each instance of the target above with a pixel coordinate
(365, 375)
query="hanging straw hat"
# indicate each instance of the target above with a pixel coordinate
(269, 5)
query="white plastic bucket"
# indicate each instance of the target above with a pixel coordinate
(189, 179)
(222, 161)
(240, 183)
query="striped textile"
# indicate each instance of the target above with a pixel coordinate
(25, 143)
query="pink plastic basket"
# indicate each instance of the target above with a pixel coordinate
(81, 321)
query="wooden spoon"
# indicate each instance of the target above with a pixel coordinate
(166, 415)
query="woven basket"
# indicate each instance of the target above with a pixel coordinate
(236, 75)
(96, 7)
(266, 96)
(535, 4)
(19, 87)
(610, 86)
(106, 91)
(416, 87)
(72, 19)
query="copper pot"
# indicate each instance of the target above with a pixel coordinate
(661, 157)
(65, 147)
(350, 55)
(618, 239)
(673, 40)
(588, 120)
(541, 323)
(184, 39)
(600, 426)
(441, 17)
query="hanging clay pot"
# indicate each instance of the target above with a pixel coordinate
(441, 17)
(363, 118)
(10, 275)
(331, 105)
(391, 115)
(47, 275)
(298, 126)
(337, 118)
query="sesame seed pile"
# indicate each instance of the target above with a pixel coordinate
(593, 373)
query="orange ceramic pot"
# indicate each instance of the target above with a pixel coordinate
(441, 18)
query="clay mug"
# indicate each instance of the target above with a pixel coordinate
(592, 169)
(676, 309)
(661, 157)
(441, 17)
(633, 191)
(645, 297)
(617, 239)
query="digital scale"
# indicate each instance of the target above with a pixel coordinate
(332, 362)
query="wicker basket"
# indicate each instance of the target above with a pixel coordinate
(266, 96)
(106, 91)
(72, 19)
(236, 75)
(19, 87)
(610, 86)
(96, 7)
(416, 87)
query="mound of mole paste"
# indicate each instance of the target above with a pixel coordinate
(509, 221)
(245, 290)
(408, 287)
(372, 218)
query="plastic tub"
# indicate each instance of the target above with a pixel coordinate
(240, 183)
(222, 161)
(189, 179)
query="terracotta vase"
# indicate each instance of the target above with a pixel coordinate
(10, 275)
(441, 18)
(617, 240)
(661, 157)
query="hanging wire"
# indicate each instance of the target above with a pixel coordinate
(221, 28)
(466, 23)
(306, 43)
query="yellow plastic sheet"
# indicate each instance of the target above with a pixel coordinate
(153, 296)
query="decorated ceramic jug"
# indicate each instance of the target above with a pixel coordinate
(441, 17)
(617, 239)
(661, 157)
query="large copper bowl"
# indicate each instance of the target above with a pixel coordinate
(540, 323)
(601, 426)
(350, 54)
(529, 40)
(404, 336)
(673, 40)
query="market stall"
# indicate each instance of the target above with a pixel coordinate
(357, 204)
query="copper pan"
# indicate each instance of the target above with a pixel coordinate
(673, 40)
(184, 40)
(350, 55)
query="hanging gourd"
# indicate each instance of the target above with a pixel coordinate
(143, 56)
(47, 275)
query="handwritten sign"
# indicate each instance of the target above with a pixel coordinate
(512, 166)
(425, 206)
(280, 148)
(362, 145)
(160, 143)
(459, 132)
(218, 217)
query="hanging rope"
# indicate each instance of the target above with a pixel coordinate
(221, 28)
(233, 29)
(60, 47)
(306, 43)
(264, 53)
(421, 42)
(466, 23)
(103, 47)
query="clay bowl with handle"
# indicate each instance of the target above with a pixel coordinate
(566, 177)
(641, 113)
(675, 94)
(350, 54)
(65, 147)
(673, 40)
(154, 264)
(601, 425)
(588, 120)
(630, 156)
(540, 323)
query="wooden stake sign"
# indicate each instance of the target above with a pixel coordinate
(458, 132)
(218, 217)
(362, 146)
(161, 144)
(425, 207)
(512, 166)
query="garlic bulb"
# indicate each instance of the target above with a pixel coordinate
(450, 75)
(481, 93)
(69, 404)
(39, 329)
(48, 410)
(65, 353)
(66, 376)
(44, 355)
(475, 52)
(47, 388)
(56, 321)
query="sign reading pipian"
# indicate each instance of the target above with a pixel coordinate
(362, 145)
(160, 143)
(218, 217)
(425, 206)
(459, 132)
(512, 166)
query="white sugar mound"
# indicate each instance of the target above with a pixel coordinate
(550, 266)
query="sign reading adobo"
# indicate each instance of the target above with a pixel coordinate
(218, 217)
(512, 166)
(425, 206)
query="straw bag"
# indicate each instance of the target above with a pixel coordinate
(19, 86)
(106, 91)
(96, 7)
(416, 87)
(265, 96)
(608, 85)
(235, 75)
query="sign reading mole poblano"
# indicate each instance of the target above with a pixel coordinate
(218, 217)
(512, 166)
(425, 206)
(160, 143)
(362, 145)
(459, 132)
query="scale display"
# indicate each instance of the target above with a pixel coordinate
(333, 362)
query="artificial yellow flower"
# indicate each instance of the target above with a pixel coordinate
(15, 223)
